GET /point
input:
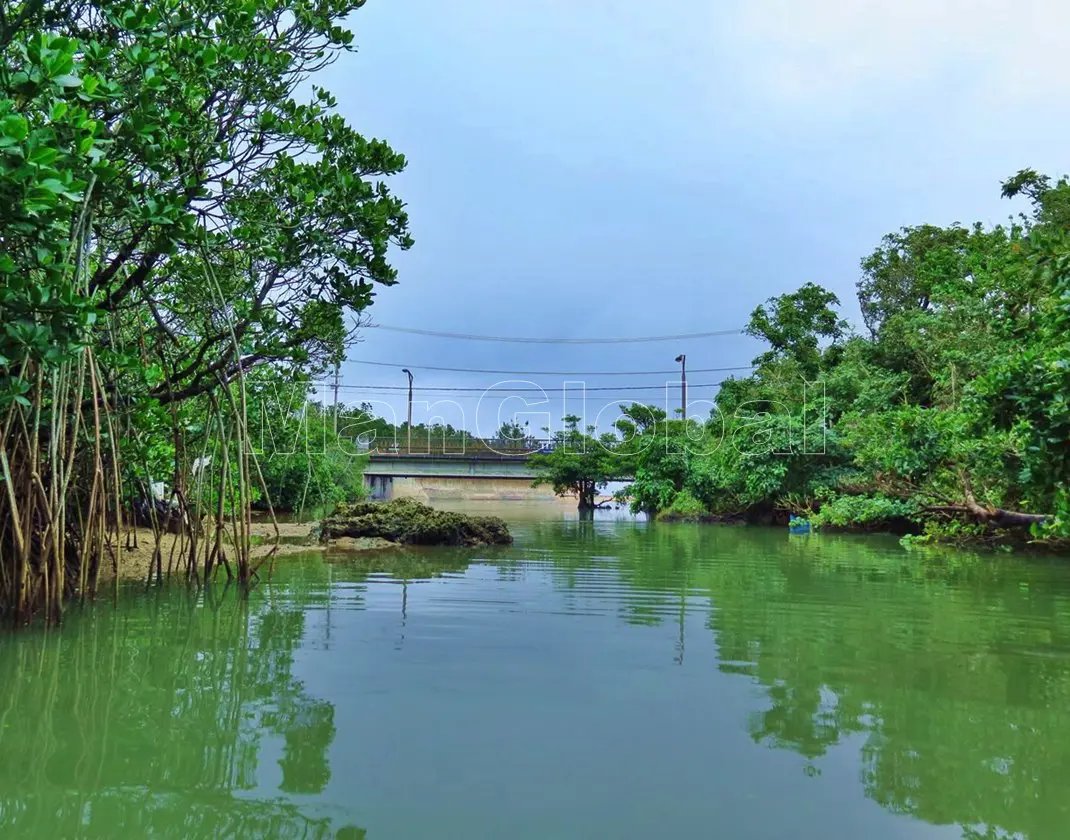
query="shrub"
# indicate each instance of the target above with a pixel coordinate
(864, 512)
(684, 508)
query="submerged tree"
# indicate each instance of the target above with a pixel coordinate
(579, 464)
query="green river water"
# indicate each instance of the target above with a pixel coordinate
(606, 679)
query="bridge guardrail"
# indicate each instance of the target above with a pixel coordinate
(499, 447)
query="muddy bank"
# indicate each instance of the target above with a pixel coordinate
(139, 544)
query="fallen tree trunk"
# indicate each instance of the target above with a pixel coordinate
(987, 514)
(999, 517)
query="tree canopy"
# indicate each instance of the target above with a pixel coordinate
(579, 463)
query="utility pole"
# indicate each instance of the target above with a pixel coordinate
(682, 359)
(408, 425)
(337, 369)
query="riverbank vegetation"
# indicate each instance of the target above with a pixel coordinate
(186, 224)
(948, 416)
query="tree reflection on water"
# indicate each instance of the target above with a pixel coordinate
(156, 721)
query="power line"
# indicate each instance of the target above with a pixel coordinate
(578, 390)
(532, 399)
(553, 372)
(518, 340)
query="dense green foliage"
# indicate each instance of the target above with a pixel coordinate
(953, 413)
(179, 208)
(685, 507)
(862, 511)
(214, 202)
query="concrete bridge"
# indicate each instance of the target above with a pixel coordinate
(477, 470)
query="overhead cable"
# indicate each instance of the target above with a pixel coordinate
(579, 389)
(519, 340)
(552, 372)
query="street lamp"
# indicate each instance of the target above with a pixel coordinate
(682, 359)
(409, 423)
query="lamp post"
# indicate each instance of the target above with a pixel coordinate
(408, 424)
(682, 359)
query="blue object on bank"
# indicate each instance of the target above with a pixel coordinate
(797, 525)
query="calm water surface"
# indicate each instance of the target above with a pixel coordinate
(605, 679)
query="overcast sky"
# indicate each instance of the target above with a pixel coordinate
(601, 168)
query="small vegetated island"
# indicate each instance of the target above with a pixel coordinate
(408, 522)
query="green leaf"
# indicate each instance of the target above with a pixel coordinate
(53, 186)
(15, 126)
(42, 156)
(68, 81)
